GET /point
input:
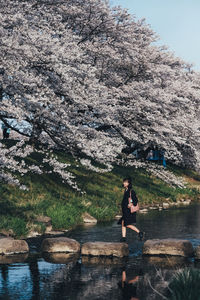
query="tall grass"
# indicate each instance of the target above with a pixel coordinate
(64, 216)
(185, 285)
(16, 224)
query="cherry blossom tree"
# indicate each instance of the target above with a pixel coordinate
(88, 78)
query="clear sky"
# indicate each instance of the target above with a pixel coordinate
(177, 22)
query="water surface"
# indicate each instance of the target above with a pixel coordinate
(62, 277)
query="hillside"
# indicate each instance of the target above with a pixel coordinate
(47, 194)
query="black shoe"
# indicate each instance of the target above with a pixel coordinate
(141, 235)
(123, 239)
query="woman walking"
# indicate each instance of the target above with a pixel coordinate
(128, 219)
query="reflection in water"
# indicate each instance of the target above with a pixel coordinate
(129, 287)
(4, 272)
(35, 277)
(12, 259)
(103, 260)
(60, 258)
(167, 262)
(68, 277)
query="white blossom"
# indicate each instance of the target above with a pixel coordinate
(88, 79)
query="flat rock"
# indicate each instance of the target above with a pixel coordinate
(105, 249)
(117, 217)
(143, 211)
(197, 252)
(186, 202)
(153, 207)
(168, 247)
(33, 233)
(55, 232)
(87, 218)
(43, 219)
(60, 244)
(166, 205)
(10, 246)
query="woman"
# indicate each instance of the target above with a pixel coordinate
(128, 219)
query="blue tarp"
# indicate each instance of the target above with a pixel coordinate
(156, 155)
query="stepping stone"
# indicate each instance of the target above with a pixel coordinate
(10, 246)
(168, 247)
(60, 244)
(105, 249)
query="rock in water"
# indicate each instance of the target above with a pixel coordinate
(105, 248)
(60, 244)
(87, 218)
(11, 246)
(168, 247)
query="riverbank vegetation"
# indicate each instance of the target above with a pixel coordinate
(184, 285)
(100, 193)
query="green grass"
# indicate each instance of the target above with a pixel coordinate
(15, 224)
(48, 195)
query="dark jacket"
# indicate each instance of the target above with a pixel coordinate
(128, 217)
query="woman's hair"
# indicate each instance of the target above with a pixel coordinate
(129, 181)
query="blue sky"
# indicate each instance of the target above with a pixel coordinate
(177, 22)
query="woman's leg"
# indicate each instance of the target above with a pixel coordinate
(133, 228)
(123, 229)
(140, 233)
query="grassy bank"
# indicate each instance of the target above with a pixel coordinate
(48, 195)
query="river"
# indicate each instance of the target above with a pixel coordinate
(34, 277)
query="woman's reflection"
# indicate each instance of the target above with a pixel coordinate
(129, 287)
(35, 276)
